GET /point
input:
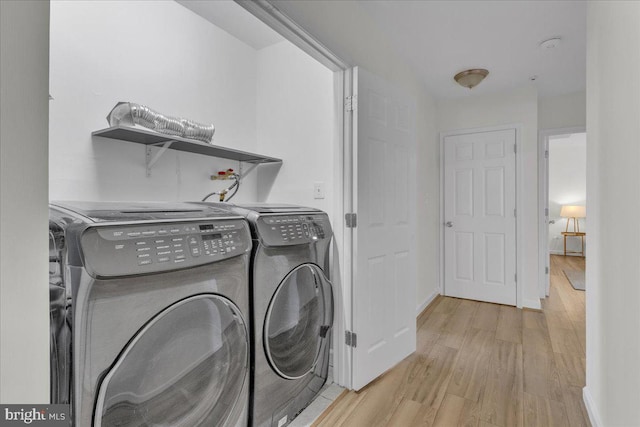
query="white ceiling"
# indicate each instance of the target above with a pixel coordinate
(441, 38)
(229, 16)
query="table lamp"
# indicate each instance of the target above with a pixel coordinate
(573, 212)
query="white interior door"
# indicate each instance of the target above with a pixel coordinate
(479, 216)
(384, 295)
(544, 226)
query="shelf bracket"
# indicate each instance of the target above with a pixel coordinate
(150, 159)
(249, 169)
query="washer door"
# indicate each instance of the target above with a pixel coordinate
(186, 367)
(298, 320)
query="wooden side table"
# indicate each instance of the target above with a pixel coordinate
(581, 235)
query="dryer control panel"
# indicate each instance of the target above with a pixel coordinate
(299, 229)
(125, 250)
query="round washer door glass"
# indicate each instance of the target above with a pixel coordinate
(186, 367)
(297, 322)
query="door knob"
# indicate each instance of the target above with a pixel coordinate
(449, 224)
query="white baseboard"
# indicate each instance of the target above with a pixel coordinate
(552, 252)
(420, 308)
(594, 415)
(532, 303)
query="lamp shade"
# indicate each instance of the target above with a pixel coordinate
(569, 211)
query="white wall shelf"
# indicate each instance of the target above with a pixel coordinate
(165, 142)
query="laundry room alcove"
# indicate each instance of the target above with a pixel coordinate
(211, 62)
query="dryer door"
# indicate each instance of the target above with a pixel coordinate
(186, 367)
(298, 321)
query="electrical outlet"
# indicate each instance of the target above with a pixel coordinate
(318, 190)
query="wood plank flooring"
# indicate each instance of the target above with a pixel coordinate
(485, 365)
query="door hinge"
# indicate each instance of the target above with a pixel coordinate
(546, 154)
(351, 220)
(515, 277)
(546, 270)
(350, 339)
(515, 213)
(351, 103)
(515, 148)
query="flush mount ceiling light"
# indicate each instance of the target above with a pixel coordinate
(471, 78)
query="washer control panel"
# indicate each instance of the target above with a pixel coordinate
(285, 230)
(138, 249)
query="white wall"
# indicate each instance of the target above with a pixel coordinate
(613, 197)
(567, 186)
(157, 53)
(193, 69)
(428, 200)
(516, 107)
(341, 29)
(24, 294)
(295, 111)
(563, 111)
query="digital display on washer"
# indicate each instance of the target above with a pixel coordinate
(211, 236)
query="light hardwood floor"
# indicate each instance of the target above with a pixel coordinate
(480, 364)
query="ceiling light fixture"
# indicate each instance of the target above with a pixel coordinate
(471, 78)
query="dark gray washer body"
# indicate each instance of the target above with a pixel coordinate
(290, 254)
(155, 339)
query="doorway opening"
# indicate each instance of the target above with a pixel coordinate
(213, 62)
(563, 228)
(562, 286)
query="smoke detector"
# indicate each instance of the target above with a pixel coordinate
(551, 43)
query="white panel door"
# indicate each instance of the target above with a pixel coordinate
(384, 288)
(479, 215)
(545, 258)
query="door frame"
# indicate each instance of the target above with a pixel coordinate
(543, 190)
(341, 256)
(519, 191)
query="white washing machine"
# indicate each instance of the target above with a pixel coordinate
(158, 314)
(292, 309)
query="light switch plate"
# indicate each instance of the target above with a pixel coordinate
(318, 190)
